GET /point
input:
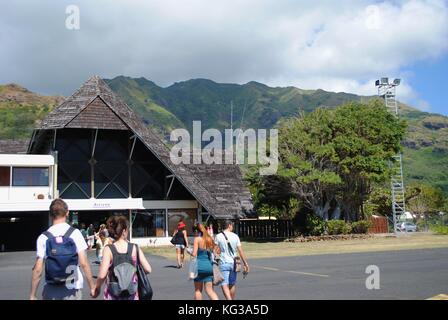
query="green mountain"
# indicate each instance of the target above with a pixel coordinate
(255, 105)
(20, 109)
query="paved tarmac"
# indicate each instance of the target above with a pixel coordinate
(408, 274)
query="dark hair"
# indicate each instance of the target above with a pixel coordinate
(227, 223)
(58, 208)
(116, 225)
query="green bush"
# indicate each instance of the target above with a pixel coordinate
(439, 229)
(338, 227)
(347, 228)
(315, 226)
(335, 226)
(361, 226)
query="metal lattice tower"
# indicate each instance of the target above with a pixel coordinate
(387, 91)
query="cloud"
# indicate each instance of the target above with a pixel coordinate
(334, 45)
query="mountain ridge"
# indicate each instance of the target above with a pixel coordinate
(255, 105)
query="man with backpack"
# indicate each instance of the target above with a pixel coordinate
(61, 250)
(231, 254)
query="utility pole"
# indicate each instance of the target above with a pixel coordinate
(231, 115)
(387, 91)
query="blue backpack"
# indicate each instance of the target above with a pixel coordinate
(61, 254)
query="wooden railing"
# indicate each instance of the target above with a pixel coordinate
(254, 229)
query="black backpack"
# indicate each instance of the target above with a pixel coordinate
(62, 257)
(122, 272)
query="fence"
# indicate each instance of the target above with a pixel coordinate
(264, 229)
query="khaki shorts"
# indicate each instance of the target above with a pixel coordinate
(52, 292)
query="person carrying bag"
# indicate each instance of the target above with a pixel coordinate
(124, 266)
(236, 259)
(232, 259)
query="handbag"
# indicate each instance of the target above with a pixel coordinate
(237, 264)
(217, 274)
(174, 239)
(145, 291)
(193, 269)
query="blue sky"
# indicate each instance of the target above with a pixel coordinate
(430, 81)
(340, 46)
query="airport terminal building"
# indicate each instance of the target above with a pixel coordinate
(94, 152)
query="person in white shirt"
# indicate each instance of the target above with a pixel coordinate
(71, 290)
(229, 245)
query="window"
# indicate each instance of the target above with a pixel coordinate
(187, 216)
(149, 223)
(30, 177)
(5, 174)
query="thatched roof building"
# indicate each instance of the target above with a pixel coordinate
(219, 189)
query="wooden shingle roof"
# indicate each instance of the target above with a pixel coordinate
(226, 185)
(216, 187)
(13, 146)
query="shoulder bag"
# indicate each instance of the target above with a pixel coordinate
(145, 291)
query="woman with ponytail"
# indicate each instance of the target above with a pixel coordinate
(121, 252)
(203, 248)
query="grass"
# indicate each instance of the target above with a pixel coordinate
(440, 230)
(255, 250)
(426, 166)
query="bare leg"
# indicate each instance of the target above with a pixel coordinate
(226, 292)
(182, 257)
(198, 290)
(232, 289)
(210, 292)
(178, 257)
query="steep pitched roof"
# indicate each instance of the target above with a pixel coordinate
(226, 185)
(201, 182)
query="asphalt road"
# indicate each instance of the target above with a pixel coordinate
(410, 274)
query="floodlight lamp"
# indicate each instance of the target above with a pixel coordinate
(384, 80)
(377, 83)
(397, 82)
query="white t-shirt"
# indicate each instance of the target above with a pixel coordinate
(226, 255)
(59, 230)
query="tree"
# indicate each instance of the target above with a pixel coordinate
(271, 195)
(329, 159)
(379, 201)
(308, 160)
(367, 136)
(426, 200)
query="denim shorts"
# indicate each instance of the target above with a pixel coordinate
(228, 274)
(180, 246)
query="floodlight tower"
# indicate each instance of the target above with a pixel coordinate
(387, 91)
